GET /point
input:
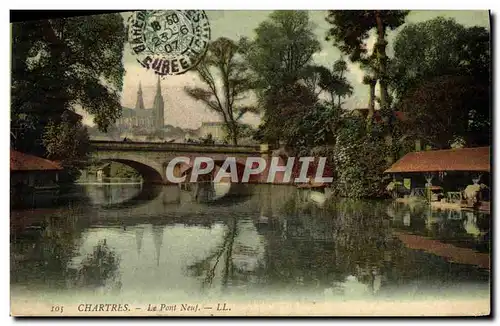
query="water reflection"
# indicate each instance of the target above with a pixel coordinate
(98, 267)
(109, 196)
(205, 268)
(461, 227)
(272, 242)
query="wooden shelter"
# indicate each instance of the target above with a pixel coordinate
(460, 159)
(452, 169)
(30, 175)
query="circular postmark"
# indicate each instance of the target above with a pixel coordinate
(170, 42)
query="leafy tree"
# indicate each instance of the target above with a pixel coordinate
(67, 141)
(443, 110)
(58, 64)
(279, 56)
(439, 47)
(370, 79)
(119, 170)
(333, 82)
(351, 28)
(312, 78)
(283, 47)
(442, 80)
(223, 60)
(342, 87)
(316, 128)
(245, 134)
(285, 108)
(313, 131)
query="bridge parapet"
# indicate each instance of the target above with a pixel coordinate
(97, 145)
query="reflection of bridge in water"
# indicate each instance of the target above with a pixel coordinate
(133, 195)
(128, 205)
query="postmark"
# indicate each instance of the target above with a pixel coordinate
(169, 42)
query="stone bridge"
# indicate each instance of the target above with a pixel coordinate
(151, 159)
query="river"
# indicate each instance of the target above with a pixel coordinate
(136, 244)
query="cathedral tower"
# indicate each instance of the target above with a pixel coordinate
(139, 105)
(158, 107)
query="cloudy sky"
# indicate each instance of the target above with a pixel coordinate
(182, 111)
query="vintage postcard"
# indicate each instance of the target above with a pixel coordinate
(251, 163)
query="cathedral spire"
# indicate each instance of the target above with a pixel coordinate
(158, 107)
(158, 87)
(139, 105)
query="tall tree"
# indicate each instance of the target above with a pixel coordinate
(223, 60)
(344, 89)
(370, 79)
(320, 79)
(59, 64)
(350, 30)
(283, 47)
(279, 56)
(439, 47)
(442, 79)
(67, 141)
(312, 78)
(444, 110)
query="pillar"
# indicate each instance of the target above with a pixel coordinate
(428, 185)
(418, 145)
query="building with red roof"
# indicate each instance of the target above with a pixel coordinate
(20, 162)
(458, 159)
(31, 174)
(450, 169)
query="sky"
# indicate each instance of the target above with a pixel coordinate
(183, 111)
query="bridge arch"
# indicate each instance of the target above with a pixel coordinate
(151, 172)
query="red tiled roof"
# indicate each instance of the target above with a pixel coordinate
(25, 162)
(459, 159)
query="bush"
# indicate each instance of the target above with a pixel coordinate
(360, 160)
